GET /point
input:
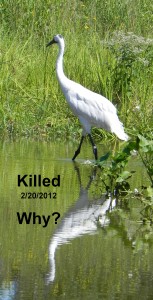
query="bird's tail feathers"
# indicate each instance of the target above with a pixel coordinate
(122, 135)
(118, 129)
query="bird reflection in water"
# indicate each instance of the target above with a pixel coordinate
(83, 218)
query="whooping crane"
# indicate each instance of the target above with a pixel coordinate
(92, 109)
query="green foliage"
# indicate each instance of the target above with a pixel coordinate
(147, 200)
(146, 154)
(116, 178)
(112, 170)
(115, 167)
(114, 56)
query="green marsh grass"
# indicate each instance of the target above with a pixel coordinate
(109, 49)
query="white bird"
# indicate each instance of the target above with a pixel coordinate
(91, 108)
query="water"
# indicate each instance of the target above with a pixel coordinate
(95, 251)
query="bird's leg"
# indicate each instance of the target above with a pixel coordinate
(79, 148)
(93, 146)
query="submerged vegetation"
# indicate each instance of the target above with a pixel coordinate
(113, 48)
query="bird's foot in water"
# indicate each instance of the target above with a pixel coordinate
(76, 153)
(95, 152)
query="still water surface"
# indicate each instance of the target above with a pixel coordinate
(95, 251)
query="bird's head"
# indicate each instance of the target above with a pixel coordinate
(57, 39)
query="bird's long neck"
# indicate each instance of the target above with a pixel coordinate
(63, 80)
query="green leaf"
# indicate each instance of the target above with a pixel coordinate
(150, 192)
(104, 157)
(124, 176)
(143, 141)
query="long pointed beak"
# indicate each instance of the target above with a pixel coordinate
(50, 43)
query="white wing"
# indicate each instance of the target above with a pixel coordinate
(92, 107)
